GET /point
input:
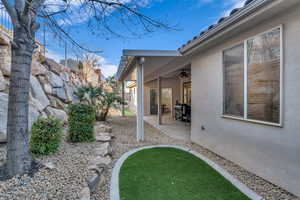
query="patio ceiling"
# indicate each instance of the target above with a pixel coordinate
(157, 62)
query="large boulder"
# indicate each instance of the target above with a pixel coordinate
(60, 114)
(53, 66)
(38, 92)
(56, 103)
(48, 88)
(103, 138)
(104, 150)
(102, 127)
(60, 93)
(3, 116)
(4, 38)
(69, 92)
(33, 114)
(64, 76)
(37, 68)
(37, 104)
(44, 80)
(55, 80)
(100, 160)
(5, 59)
(3, 112)
(2, 82)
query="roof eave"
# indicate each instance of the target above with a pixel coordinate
(150, 53)
(219, 28)
(130, 55)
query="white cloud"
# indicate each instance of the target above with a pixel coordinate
(78, 13)
(231, 4)
(54, 55)
(107, 68)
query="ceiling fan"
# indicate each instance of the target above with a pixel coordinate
(183, 74)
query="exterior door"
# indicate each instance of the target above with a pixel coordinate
(153, 102)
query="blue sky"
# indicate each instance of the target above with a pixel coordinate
(190, 16)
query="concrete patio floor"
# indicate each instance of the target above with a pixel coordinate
(175, 129)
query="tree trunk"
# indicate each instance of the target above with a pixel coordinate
(103, 115)
(19, 159)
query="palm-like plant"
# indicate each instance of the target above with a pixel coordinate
(88, 95)
(103, 98)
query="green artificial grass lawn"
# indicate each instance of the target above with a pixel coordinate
(129, 113)
(172, 174)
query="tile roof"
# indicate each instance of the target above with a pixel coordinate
(220, 21)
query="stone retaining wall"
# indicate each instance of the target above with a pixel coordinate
(52, 86)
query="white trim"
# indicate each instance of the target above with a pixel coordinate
(223, 69)
(143, 103)
(150, 53)
(140, 101)
(281, 74)
(245, 118)
(123, 99)
(245, 79)
(264, 32)
(159, 114)
(114, 185)
(251, 120)
(229, 23)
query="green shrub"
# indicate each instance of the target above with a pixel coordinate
(81, 123)
(45, 136)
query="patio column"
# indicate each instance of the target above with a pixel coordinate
(159, 100)
(123, 99)
(140, 99)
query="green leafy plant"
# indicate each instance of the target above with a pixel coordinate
(107, 101)
(81, 123)
(102, 98)
(88, 95)
(45, 136)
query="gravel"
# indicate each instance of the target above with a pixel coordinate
(124, 129)
(65, 181)
(69, 176)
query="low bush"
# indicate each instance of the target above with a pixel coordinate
(81, 123)
(45, 136)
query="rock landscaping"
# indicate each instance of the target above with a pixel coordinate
(72, 173)
(52, 85)
(83, 170)
(124, 130)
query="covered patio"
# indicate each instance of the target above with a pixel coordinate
(162, 90)
(175, 129)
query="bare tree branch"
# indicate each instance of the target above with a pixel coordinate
(9, 8)
(98, 15)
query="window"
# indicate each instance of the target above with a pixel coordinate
(234, 81)
(252, 78)
(187, 93)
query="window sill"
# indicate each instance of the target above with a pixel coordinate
(253, 121)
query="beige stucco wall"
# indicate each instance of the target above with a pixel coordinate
(173, 83)
(270, 152)
(132, 102)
